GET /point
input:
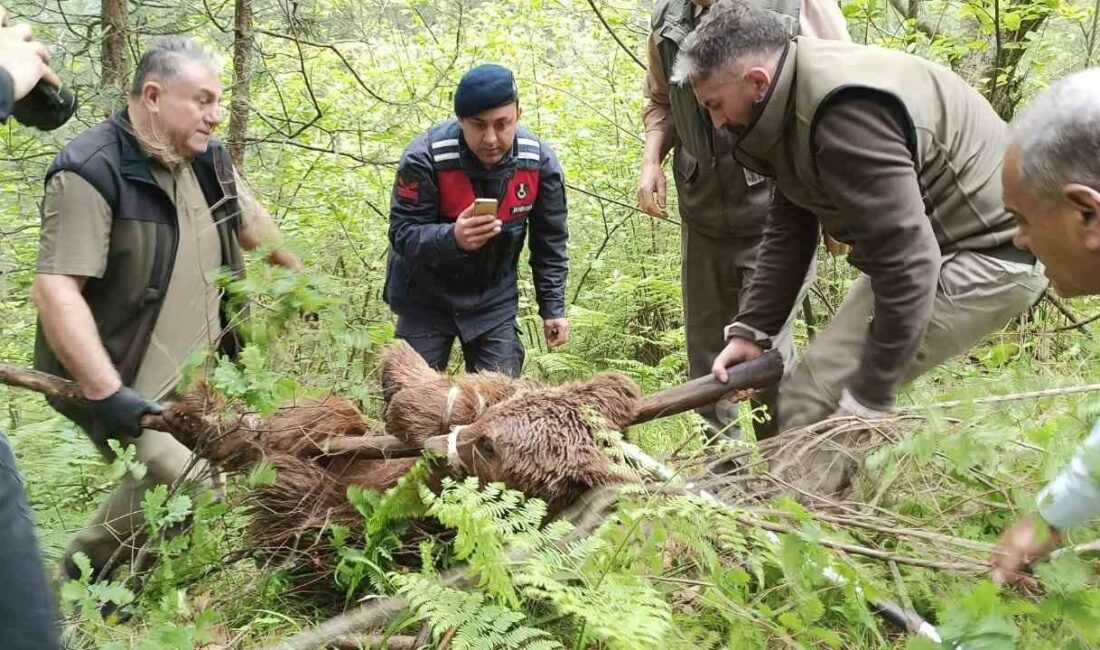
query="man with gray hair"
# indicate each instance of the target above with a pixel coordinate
(140, 213)
(890, 153)
(1052, 185)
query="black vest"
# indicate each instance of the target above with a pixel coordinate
(126, 301)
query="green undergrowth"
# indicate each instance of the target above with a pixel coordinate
(667, 570)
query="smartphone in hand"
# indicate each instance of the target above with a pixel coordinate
(485, 206)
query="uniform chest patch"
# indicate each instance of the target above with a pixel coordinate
(522, 190)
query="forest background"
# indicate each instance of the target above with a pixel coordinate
(321, 97)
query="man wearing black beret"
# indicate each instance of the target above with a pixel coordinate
(451, 273)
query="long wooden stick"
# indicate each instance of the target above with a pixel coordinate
(39, 382)
(758, 373)
(63, 389)
(762, 372)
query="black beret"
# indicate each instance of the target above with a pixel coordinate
(484, 87)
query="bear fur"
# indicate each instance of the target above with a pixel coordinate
(416, 396)
(543, 441)
(299, 428)
(539, 440)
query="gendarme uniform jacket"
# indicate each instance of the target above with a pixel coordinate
(436, 286)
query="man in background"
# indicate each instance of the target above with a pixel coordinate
(892, 154)
(140, 215)
(722, 205)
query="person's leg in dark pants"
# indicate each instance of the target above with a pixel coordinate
(498, 350)
(28, 614)
(434, 348)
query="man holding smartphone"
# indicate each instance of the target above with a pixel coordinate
(468, 192)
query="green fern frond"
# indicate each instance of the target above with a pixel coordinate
(478, 625)
(486, 522)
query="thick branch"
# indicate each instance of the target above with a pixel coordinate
(113, 59)
(63, 389)
(242, 78)
(759, 373)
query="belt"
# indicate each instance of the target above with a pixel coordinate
(1009, 253)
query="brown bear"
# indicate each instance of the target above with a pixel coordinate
(539, 440)
(300, 428)
(543, 441)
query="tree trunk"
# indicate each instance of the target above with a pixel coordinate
(242, 77)
(114, 58)
(1005, 94)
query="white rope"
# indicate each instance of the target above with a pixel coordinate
(452, 396)
(453, 458)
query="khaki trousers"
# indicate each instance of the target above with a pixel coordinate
(120, 515)
(977, 295)
(714, 273)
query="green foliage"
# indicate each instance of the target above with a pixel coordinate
(479, 625)
(262, 474)
(327, 126)
(386, 518)
(524, 566)
(250, 380)
(125, 461)
(980, 620)
(88, 597)
(161, 511)
(485, 522)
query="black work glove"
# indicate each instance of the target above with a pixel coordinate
(120, 414)
(45, 107)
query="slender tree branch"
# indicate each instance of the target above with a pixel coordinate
(614, 35)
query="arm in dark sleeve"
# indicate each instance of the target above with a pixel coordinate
(867, 169)
(7, 95)
(782, 260)
(416, 232)
(548, 238)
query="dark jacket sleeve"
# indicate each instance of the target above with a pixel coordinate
(548, 238)
(866, 165)
(416, 231)
(782, 260)
(7, 95)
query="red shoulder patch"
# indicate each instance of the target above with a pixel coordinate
(408, 189)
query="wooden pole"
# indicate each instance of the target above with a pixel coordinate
(759, 373)
(63, 389)
(762, 372)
